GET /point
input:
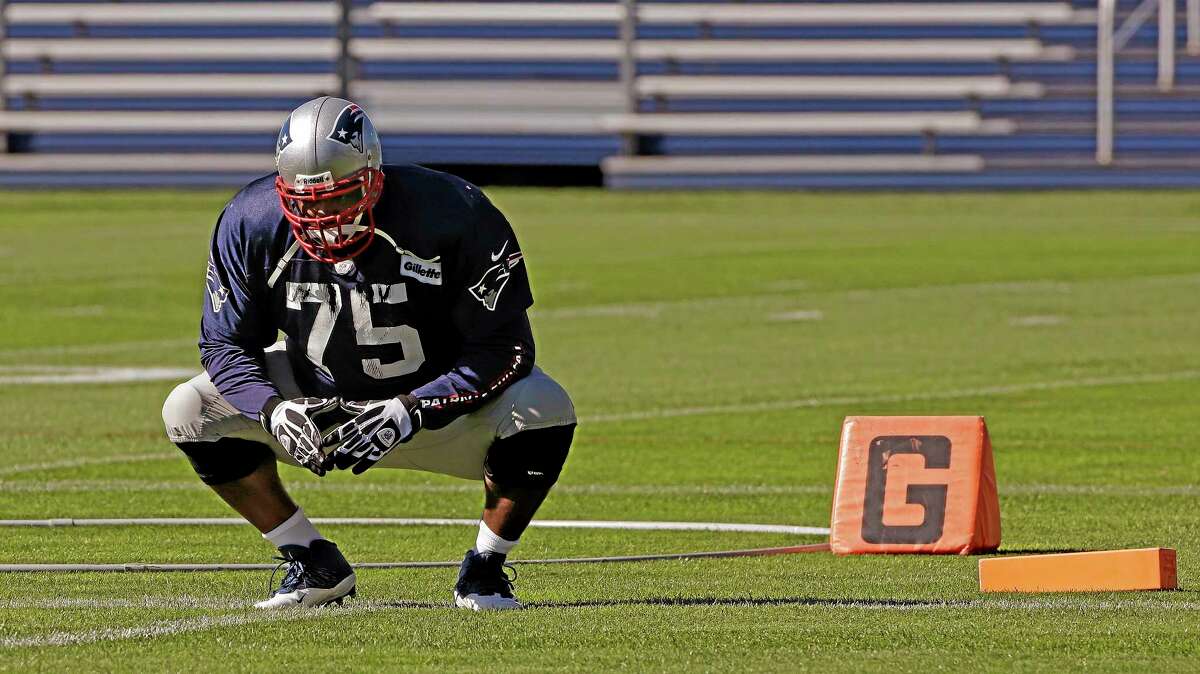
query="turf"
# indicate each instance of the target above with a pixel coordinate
(712, 344)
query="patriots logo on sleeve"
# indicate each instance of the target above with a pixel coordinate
(348, 128)
(218, 294)
(488, 289)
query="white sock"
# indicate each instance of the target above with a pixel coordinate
(486, 541)
(295, 530)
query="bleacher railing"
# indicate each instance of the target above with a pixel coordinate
(628, 69)
(3, 71)
(1111, 39)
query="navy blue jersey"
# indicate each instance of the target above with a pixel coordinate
(434, 307)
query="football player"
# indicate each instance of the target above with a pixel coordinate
(402, 295)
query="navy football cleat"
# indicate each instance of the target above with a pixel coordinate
(482, 584)
(316, 576)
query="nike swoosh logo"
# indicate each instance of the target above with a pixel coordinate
(496, 256)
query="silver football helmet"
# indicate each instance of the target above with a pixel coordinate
(328, 157)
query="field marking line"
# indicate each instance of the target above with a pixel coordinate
(781, 290)
(983, 391)
(1007, 489)
(96, 349)
(1037, 320)
(654, 309)
(78, 311)
(621, 525)
(143, 567)
(151, 602)
(91, 485)
(86, 461)
(797, 316)
(99, 375)
(1099, 490)
(180, 626)
(205, 623)
(144, 602)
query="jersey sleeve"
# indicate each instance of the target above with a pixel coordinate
(491, 296)
(235, 327)
(489, 364)
(492, 286)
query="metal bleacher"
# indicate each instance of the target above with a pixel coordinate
(817, 94)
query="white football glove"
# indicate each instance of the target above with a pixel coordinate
(377, 427)
(291, 423)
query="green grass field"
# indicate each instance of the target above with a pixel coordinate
(712, 344)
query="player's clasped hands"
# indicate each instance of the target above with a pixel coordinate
(376, 428)
(292, 423)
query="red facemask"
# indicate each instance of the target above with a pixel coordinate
(339, 236)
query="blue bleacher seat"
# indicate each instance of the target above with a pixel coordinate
(1051, 127)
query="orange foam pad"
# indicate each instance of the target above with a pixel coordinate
(915, 485)
(1144, 569)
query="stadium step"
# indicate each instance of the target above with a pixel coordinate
(47, 51)
(733, 87)
(718, 124)
(758, 164)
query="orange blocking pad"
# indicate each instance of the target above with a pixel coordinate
(915, 485)
(1144, 569)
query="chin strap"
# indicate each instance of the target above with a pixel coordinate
(283, 263)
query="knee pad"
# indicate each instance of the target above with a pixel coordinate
(227, 459)
(540, 402)
(181, 413)
(529, 459)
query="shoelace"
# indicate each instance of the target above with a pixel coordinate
(504, 582)
(294, 572)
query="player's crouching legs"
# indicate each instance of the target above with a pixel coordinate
(202, 424)
(242, 472)
(531, 459)
(532, 445)
(522, 464)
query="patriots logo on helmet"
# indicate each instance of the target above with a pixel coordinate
(348, 128)
(285, 135)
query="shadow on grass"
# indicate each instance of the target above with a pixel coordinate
(1033, 551)
(699, 601)
(750, 601)
(898, 604)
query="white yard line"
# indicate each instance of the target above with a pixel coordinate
(1075, 603)
(623, 525)
(1006, 489)
(86, 461)
(180, 626)
(605, 311)
(788, 290)
(149, 602)
(1037, 320)
(143, 567)
(78, 311)
(800, 315)
(780, 290)
(204, 623)
(144, 602)
(100, 375)
(102, 485)
(1098, 490)
(96, 349)
(983, 391)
